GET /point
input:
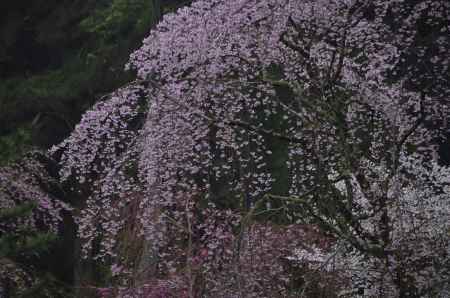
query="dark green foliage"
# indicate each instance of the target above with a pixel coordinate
(21, 253)
(15, 246)
(57, 58)
(22, 243)
(15, 144)
(173, 5)
(21, 210)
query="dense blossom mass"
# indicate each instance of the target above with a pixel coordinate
(29, 182)
(257, 126)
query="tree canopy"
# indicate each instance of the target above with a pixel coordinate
(273, 148)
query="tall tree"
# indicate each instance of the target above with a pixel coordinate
(347, 87)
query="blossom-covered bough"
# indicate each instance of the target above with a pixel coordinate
(31, 213)
(324, 113)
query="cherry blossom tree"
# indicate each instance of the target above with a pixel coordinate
(324, 113)
(31, 214)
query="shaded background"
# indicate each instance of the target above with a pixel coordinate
(57, 57)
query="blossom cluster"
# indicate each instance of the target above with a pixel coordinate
(349, 96)
(28, 182)
(30, 206)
